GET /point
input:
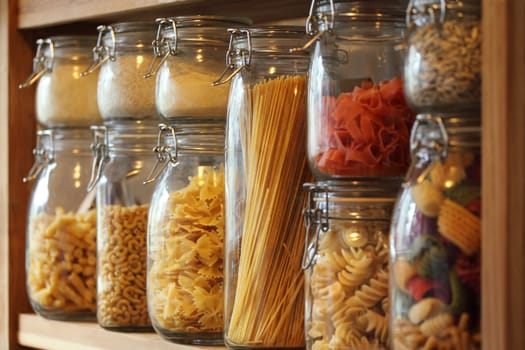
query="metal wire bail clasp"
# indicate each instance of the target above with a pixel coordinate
(244, 54)
(162, 47)
(41, 62)
(317, 21)
(44, 153)
(314, 218)
(166, 152)
(99, 147)
(102, 53)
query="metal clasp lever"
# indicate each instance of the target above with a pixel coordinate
(43, 152)
(165, 153)
(102, 53)
(313, 216)
(245, 55)
(41, 63)
(100, 155)
(160, 43)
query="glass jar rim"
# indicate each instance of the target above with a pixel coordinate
(270, 40)
(346, 10)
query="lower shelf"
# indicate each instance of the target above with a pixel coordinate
(40, 333)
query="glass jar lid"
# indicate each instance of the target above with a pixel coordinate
(422, 12)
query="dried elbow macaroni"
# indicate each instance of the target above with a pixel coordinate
(122, 263)
(62, 262)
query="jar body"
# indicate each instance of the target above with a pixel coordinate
(186, 243)
(265, 169)
(122, 218)
(346, 276)
(61, 233)
(443, 62)
(358, 119)
(435, 254)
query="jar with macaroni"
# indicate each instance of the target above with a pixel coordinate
(122, 157)
(189, 54)
(63, 98)
(435, 238)
(185, 280)
(121, 57)
(346, 264)
(61, 229)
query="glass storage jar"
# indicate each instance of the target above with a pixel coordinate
(435, 238)
(358, 119)
(186, 235)
(61, 228)
(123, 55)
(122, 156)
(346, 264)
(62, 98)
(190, 52)
(443, 62)
(266, 166)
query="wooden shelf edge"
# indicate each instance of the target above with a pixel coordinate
(39, 333)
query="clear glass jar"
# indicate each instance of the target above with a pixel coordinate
(435, 238)
(123, 54)
(443, 62)
(190, 51)
(186, 235)
(358, 120)
(346, 265)
(62, 98)
(122, 157)
(266, 166)
(61, 227)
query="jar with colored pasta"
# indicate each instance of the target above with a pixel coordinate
(189, 55)
(443, 61)
(358, 120)
(435, 240)
(265, 168)
(122, 56)
(186, 234)
(346, 265)
(121, 161)
(62, 98)
(61, 227)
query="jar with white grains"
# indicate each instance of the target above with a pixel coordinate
(63, 99)
(122, 54)
(189, 54)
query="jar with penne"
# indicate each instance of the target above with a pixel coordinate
(186, 234)
(61, 227)
(358, 120)
(435, 245)
(122, 157)
(265, 168)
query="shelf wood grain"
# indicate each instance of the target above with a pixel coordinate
(37, 332)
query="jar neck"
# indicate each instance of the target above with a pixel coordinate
(199, 137)
(127, 137)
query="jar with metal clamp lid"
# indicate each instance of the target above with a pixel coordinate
(122, 156)
(123, 55)
(61, 227)
(189, 55)
(346, 264)
(443, 62)
(62, 98)
(358, 120)
(435, 238)
(186, 234)
(265, 168)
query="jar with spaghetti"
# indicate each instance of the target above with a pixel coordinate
(63, 99)
(346, 265)
(265, 168)
(435, 238)
(61, 227)
(443, 62)
(186, 234)
(122, 158)
(189, 55)
(122, 56)
(358, 119)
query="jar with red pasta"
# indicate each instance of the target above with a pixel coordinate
(435, 239)
(186, 234)
(358, 119)
(61, 230)
(121, 161)
(346, 265)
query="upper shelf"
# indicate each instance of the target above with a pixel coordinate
(42, 13)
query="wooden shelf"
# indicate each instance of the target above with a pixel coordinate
(37, 332)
